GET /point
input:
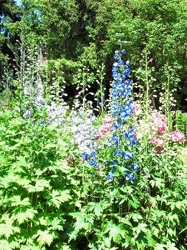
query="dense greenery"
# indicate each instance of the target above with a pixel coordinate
(70, 179)
(80, 33)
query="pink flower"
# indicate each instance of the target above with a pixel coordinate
(162, 129)
(176, 135)
(137, 109)
(156, 140)
(159, 123)
(105, 127)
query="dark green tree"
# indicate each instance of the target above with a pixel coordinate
(9, 13)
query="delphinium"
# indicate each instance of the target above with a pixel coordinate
(83, 128)
(123, 137)
(34, 98)
(57, 113)
(115, 152)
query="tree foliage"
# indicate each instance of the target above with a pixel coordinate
(85, 33)
(9, 13)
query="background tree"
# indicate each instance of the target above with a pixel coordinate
(9, 13)
(80, 33)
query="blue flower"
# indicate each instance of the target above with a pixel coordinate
(85, 156)
(92, 162)
(120, 86)
(93, 154)
(128, 82)
(134, 141)
(128, 63)
(117, 56)
(127, 173)
(114, 69)
(115, 127)
(118, 152)
(115, 94)
(97, 165)
(116, 75)
(126, 91)
(123, 115)
(110, 177)
(123, 77)
(126, 107)
(123, 51)
(135, 166)
(127, 71)
(117, 143)
(113, 169)
(114, 162)
(130, 134)
(130, 177)
(126, 156)
(120, 63)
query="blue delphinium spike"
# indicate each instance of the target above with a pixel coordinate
(122, 90)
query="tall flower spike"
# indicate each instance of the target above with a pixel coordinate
(121, 109)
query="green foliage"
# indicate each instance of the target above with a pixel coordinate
(181, 121)
(83, 33)
(34, 182)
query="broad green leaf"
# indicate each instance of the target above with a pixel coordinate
(171, 232)
(16, 201)
(76, 214)
(50, 145)
(125, 221)
(98, 209)
(66, 248)
(45, 237)
(80, 223)
(55, 223)
(142, 227)
(26, 215)
(4, 182)
(21, 216)
(136, 217)
(115, 232)
(7, 228)
(59, 197)
(5, 245)
(157, 182)
(40, 185)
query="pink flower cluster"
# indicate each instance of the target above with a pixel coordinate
(106, 126)
(137, 109)
(176, 135)
(158, 131)
(159, 126)
(159, 123)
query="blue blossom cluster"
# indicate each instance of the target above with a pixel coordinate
(91, 158)
(123, 136)
(121, 109)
